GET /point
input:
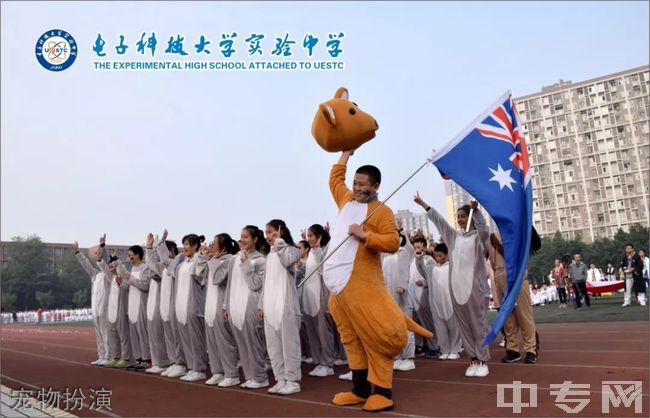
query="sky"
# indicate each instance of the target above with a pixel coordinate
(86, 152)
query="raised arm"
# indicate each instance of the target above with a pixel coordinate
(85, 263)
(447, 232)
(481, 226)
(288, 254)
(340, 191)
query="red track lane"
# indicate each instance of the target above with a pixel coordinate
(59, 357)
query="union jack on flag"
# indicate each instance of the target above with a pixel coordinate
(489, 160)
(503, 124)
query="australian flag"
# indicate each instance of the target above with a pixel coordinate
(489, 160)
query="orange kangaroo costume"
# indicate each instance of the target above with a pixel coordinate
(373, 329)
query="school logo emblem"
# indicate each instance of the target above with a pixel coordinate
(56, 50)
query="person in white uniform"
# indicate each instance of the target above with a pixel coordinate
(280, 309)
(243, 292)
(221, 344)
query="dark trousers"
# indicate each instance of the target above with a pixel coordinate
(580, 290)
(561, 292)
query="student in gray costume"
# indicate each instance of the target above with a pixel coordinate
(280, 308)
(162, 259)
(138, 280)
(189, 271)
(303, 250)
(468, 281)
(159, 359)
(420, 300)
(243, 292)
(396, 269)
(437, 276)
(120, 338)
(221, 344)
(314, 305)
(101, 286)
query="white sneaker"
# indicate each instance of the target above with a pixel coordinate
(307, 360)
(315, 369)
(228, 382)
(346, 376)
(471, 370)
(625, 304)
(278, 386)
(193, 376)
(397, 364)
(257, 385)
(502, 344)
(179, 371)
(245, 384)
(168, 370)
(290, 388)
(96, 362)
(215, 379)
(339, 362)
(322, 371)
(481, 370)
(405, 365)
(443, 356)
(453, 356)
(155, 370)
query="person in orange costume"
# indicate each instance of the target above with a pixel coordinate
(372, 326)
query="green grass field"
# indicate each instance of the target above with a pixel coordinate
(69, 324)
(604, 309)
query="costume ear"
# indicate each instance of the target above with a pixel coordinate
(341, 93)
(328, 113)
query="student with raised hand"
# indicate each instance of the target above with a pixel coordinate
(221, 344)
(159, 359)
(436, 272)
(163, 258)
(99, 275)
(138, 280)
(190, 275)
(120, 338)
(243, 292)
(320, 333)
(468, 279)
(280, 309)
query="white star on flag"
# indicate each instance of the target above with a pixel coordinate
(502, 177)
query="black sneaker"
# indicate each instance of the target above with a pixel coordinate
(531, 358)
(432, 354)
(511, 357)
(419, 352)
(142, 365)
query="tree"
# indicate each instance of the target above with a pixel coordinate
(46, 299)
(7, 301)
(73, 279)
(27, 271)
(80, 298)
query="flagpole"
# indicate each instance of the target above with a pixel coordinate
(469, 221)
(427, 162)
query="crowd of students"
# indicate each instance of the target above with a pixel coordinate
(46, 316)
(230, 304)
